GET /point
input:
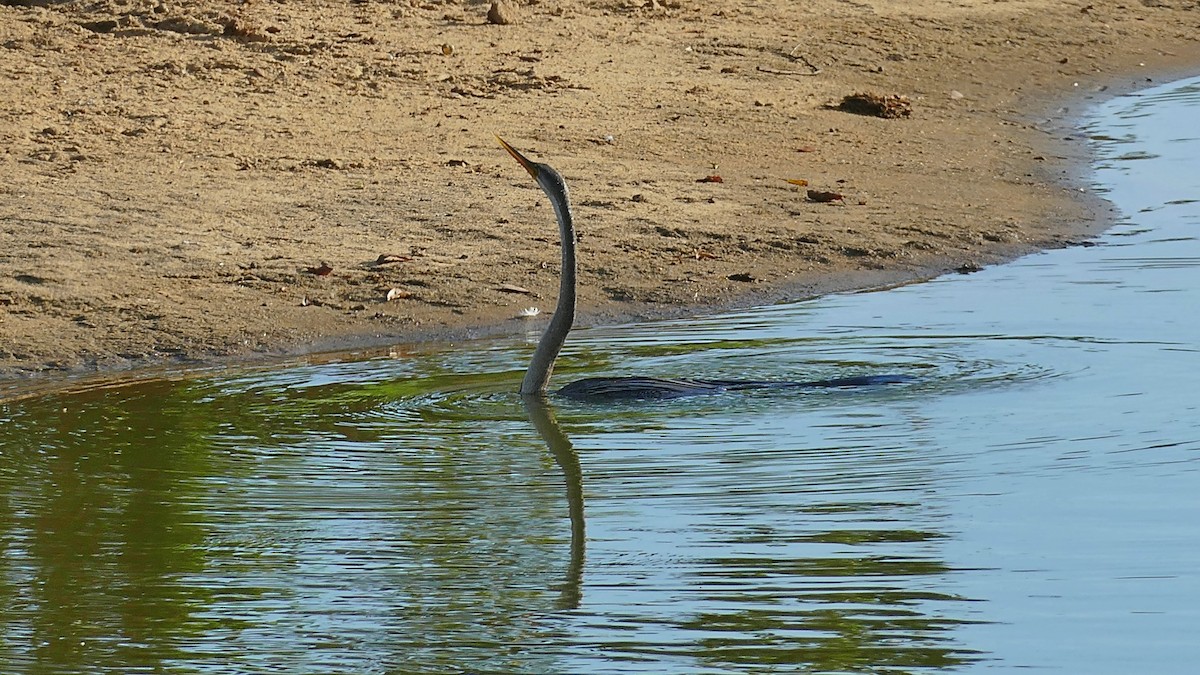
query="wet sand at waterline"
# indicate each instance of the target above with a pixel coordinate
(200, 181)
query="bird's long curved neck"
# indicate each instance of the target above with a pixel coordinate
(538, 375)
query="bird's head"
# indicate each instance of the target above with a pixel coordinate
(551, 181)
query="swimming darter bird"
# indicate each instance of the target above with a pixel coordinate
(537, 378)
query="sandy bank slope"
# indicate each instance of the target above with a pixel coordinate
(173, 171)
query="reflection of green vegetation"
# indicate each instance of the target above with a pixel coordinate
(165, 526)
(870, 536)
(344, 518)
(835, 566)
(829, 641)
(845, 624)
(99, 526)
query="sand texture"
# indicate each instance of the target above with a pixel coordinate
(200, 180)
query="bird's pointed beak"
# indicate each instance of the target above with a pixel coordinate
(521, 159)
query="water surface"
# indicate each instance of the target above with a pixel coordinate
(1031, 500)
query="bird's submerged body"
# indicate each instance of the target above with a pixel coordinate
(537, 377)
(650, 388)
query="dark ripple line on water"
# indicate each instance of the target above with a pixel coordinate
(1156, 262)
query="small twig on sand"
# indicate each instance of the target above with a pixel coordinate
(774, 71)
(803, 59)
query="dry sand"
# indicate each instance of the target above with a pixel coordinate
(174, 173)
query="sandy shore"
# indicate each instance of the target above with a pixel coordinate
(177, 176)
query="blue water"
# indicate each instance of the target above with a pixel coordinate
(1031, 501)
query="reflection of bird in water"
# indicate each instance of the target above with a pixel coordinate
(559, 445)
(615, 388)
